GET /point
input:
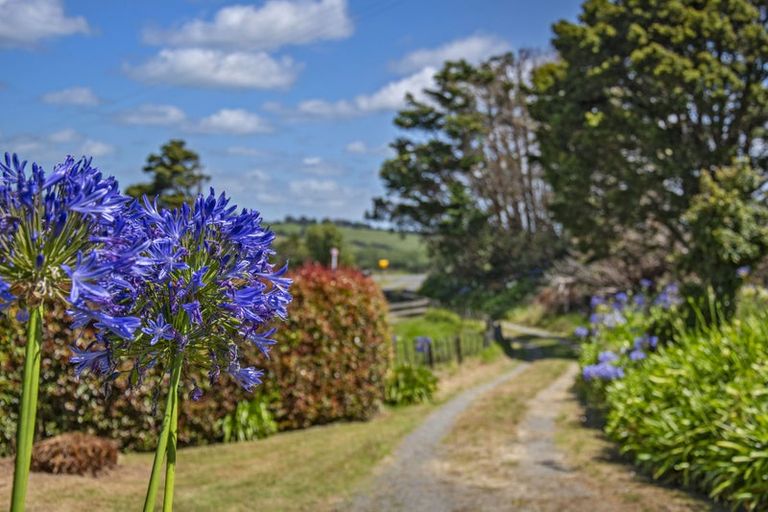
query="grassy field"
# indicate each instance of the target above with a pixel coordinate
(314, 469)
(404, 251)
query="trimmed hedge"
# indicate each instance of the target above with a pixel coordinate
(330, 363)
(332, 357)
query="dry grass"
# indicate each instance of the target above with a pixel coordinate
(312, 469)
(591, 454)
(491, 421)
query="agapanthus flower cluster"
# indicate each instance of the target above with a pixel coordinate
(422, 344)
(193, 284)
(605, 369)
(45, 222)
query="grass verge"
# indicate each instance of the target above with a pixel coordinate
(313, 469)
(590, 453)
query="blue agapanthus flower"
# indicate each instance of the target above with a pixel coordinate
(602, 371)
(49, 224)
(581, 332)
(422, 344)
(198, 284)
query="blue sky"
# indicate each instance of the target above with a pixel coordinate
(288, 102)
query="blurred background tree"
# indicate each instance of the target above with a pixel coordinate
(467, 180)
(319, 239)
(177, 175)
(646, 97)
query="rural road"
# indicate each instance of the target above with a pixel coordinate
(408, 483)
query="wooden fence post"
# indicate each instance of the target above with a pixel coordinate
(459, 356)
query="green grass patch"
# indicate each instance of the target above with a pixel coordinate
(315, 469)
(535, 315)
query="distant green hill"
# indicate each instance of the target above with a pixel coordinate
(406, 252)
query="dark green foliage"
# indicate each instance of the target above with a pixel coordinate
(645, 96)
(728, 229)
(176, 175)
(410, 385)
(495, 301)
(464, 175)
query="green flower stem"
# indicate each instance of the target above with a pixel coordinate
(162, 442)
(25, 432)
(170, 464)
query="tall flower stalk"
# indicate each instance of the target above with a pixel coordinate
(45, 222)
(199, 289)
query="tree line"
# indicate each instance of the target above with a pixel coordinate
(642, 136)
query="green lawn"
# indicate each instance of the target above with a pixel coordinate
(313, 469)
(405, 251)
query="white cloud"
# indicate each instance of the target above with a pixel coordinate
(63, 136)
(357, 147)
(232, 121)
(149, 114)
(312, 161)
(313, 187)
(242, 151)
(79, 96)
(25, 22)
(389, 97)
(199, 67)
(96, 148)
(258, 175)
(275, 24)
(472, 49)
(326, 194)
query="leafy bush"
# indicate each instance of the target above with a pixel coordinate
(697, 412)
(330, 363)
(410, 385)
(332, 356)
(250, 420)
(74, 454)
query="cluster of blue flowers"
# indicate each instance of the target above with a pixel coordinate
(46, 222)
(608, 366)
(156, 285)
(422, 344)
(613, 312)
(191, 281)
(605, 369)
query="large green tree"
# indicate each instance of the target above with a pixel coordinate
(464, 176)
(643, 97)
(177, 175)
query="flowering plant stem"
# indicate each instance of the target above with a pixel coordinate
(166, 444)
(25, 433)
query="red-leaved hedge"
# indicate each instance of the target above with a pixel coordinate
(332, 357)
(329, 364)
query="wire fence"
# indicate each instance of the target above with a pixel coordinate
(423, 351)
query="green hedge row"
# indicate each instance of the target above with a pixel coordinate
(693, 412)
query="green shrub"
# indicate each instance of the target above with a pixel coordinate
(250, 420)
(410, 385)
(697, 412)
